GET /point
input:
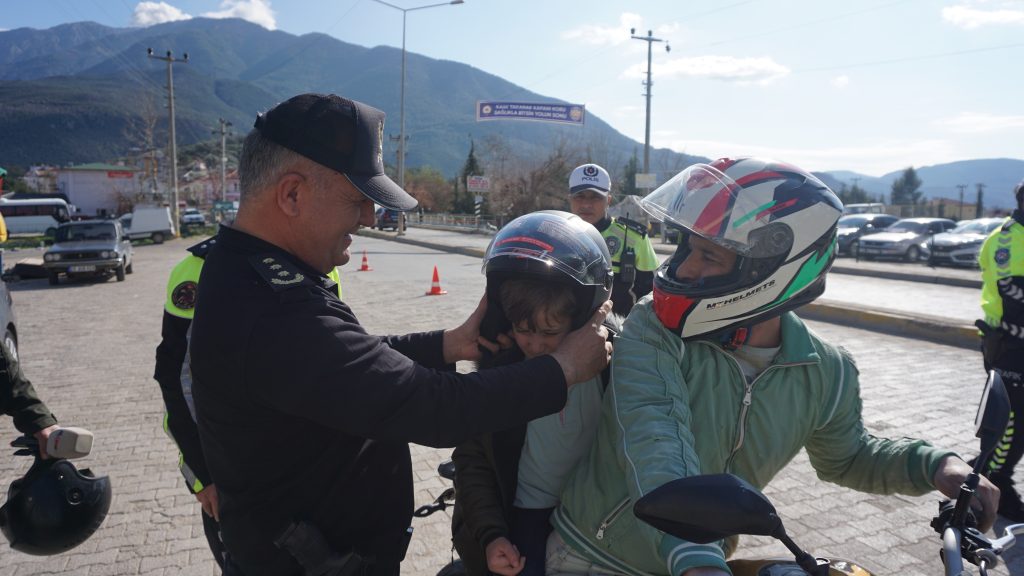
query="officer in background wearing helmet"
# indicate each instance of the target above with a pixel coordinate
(633, 257)
(718, 368)
(54, 506)
(174, 375)
(1002, 299)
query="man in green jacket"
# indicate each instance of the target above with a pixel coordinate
(714, 373)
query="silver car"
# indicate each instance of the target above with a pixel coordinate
(902, 239)
(89, 248)
(960, 246)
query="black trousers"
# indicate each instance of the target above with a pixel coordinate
(1010, 447)
(528, 530)
(212, 530)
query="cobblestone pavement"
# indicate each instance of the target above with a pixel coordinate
(89, 349)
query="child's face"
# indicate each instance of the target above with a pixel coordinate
(548, 333)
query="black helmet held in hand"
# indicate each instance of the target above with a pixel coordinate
(54, 508)
(554, 246)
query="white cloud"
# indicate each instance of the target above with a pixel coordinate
(841, 81)
(971, 18)
(981, 123)
(255, 11)
(152, 13)
(597, 35)
(762, 70)
(875, 159)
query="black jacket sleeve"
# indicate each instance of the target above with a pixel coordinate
(18, 398)
(170, 356)
(342, 377)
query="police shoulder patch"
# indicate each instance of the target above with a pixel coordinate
(183, 296)
(279, 273)
(1002, 256)
(632, 225)
(200, 250)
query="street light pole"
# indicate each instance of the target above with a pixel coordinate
(401, 105)
(174, 144)
(650, 39)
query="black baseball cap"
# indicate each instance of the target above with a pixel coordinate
(341, 134)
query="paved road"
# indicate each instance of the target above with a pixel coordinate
(89, 349)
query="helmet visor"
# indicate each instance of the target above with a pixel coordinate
(569, 246)
(734, 215)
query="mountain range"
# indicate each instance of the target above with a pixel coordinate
(84, 92)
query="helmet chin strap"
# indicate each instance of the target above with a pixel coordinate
(735, 339)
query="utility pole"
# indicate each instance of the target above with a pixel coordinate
(650, 39)
(169, 58)
(223, 158)
(962, 187)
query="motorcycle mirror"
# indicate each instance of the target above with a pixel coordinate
(707, 508)
(993, 414)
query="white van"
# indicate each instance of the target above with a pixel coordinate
(153, 222)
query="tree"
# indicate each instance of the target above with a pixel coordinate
(853, 195)
(628, 184)
(979, 206)
(906, 188)
(464, 203)
(429, 187)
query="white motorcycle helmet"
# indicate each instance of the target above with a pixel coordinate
(778, 219)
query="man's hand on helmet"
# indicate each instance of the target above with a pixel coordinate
(586, 351)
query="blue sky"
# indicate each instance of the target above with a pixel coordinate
(871, 86)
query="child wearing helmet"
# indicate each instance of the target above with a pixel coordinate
(546, 274)
(715, 373)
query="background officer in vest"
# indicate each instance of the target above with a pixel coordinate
(174, 374)
(1002, 300)
(633, 257)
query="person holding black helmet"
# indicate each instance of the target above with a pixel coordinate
(304, 418)
(1002, 299)
(19, 400)
(54, 506)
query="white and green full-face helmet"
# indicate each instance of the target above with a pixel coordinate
(779, 220)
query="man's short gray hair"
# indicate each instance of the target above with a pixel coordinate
(261, 163)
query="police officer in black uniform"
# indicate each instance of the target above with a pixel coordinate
(304, 417)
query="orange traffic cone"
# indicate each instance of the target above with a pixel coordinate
(435, 286)
(366, 264)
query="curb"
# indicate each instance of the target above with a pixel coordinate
(908, 276)
(919, 326)
(930, 328)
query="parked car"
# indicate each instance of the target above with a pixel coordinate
(192, 217)
(89, 248)
(7, 322)
(902, 239)
(960, 246)
(151, 222)
(853, 226)
(387, 219)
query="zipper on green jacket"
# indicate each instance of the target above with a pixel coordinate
(611, 517)
(748, 393)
